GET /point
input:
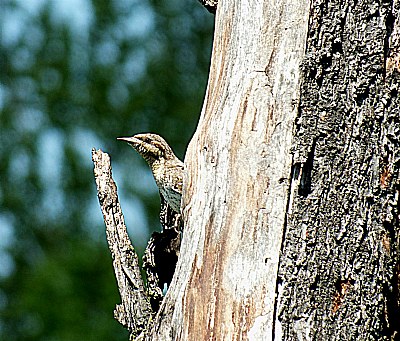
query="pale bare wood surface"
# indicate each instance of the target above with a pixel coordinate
(134, 312)
(238, 164)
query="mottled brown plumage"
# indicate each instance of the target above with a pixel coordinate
(167, 169)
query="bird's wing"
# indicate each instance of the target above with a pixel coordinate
(177, 182)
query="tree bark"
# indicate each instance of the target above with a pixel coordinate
(339, 270)
(238, 175)
(291, 193)
(291, 200)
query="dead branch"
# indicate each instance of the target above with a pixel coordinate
(135, 311)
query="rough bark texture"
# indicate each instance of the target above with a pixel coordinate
(134, 312)
(239, 164)
(339, 274)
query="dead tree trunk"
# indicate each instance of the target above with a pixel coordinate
(291, 195)
(238, 176)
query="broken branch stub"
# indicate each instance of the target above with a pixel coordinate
(135, 311)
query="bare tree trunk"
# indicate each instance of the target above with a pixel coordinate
(293, 238)
(237, 186)
(291, 197)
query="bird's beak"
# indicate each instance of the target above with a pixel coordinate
(131, 140)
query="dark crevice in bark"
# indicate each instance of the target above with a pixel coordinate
(391, 290)
(296, 171)
(314, 284)
(278, 283)
(392, 310)
(394, 93)
(161, 254)
(305, 180)
(337, 47)
(390, 20)
(362, 96)
(326, 61)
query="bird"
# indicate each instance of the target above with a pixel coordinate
(167, 169)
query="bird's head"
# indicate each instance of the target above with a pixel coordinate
(151, 147)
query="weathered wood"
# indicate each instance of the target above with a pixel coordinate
(340, 262)
(236, 189)
(292, 223)
(134, 312)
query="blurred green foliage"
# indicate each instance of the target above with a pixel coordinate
(75, 75)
